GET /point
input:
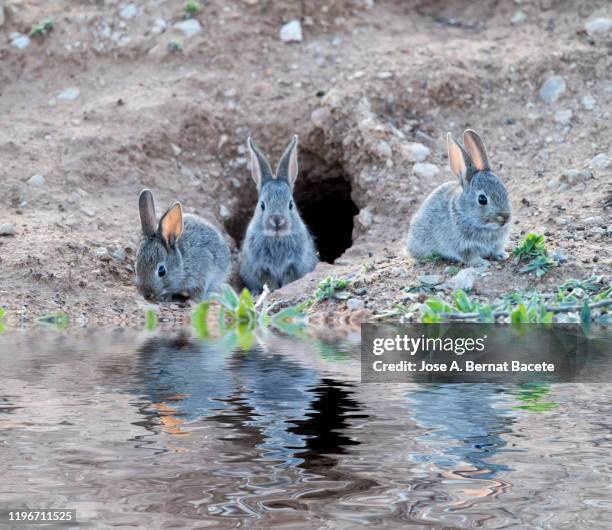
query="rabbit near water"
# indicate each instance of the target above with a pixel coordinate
(181, 257)
(277, 247)
(466, 222)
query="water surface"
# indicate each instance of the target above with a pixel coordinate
(164, 430)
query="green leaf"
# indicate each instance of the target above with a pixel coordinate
(2, 313)
(519, 315)
(199, 320)
(462, 302)
(585, 316)
(58, 320)
(485, 313)
(151, 320)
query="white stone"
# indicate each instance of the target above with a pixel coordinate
(320, 116)
(417, 152)
(352, 304)
(118, 254)
(425, 170)
(102, 253)
(463, 280)
(176, 150)
(70, 94)
(552, 89)
(37, 180)
(159, 26)
(601, 161)
(384, 75)
(7, 229)
(128, 12)
(291, 31)
(598, 25)
(189, 27)
(383, 149)
(19, 41)
(365, 218)
(518, 18)
(431, 279)
(224, 212)
(564, 116)
(588, 102)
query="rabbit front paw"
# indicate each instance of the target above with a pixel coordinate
(501, 255)
(478, 262)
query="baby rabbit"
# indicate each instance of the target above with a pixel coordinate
(181, 257)
(277, 248)
(464, 223)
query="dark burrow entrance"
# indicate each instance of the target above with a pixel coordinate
(323, 195)
(328, 210)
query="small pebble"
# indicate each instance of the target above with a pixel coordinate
(430, 279)
(19, 41)
(352, 304)
(37, 180)
(598, 26)
(365, 218)
(425, 169)
(102, 253)
(69, 94)
(189, 27)
(564, 116)
(463, 280)
(128, 12)
(7, 229)
(416, 152)
(553, 88)
(519, 18)
(291, 31)
(588, 102)
(118, 254)
(384, 75)
(601, 161)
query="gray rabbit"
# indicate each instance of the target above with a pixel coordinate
(277, 247)
(181, 257)
(468, 222)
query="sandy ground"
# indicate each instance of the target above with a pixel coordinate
(106, 104)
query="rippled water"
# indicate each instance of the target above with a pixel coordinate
(166, 431)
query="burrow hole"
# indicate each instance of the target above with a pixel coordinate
(323, 195)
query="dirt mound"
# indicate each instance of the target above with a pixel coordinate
(119, 96)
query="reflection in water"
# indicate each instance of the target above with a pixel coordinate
(173, 431)
(466, 416)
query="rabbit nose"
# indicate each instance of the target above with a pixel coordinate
(277, 221)
(503, 217)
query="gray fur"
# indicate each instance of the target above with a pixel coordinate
(452, 223)
(196, 264)
(277, 247)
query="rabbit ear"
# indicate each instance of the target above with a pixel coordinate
(287, 168)
(459, 160)
(260, 167)
(171, 224)
(476, 149)
(147, 213)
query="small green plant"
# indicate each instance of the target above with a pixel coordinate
(452, 270)
(42, 28)
(432, 258)
(531, 396)
(175, 47)
(57, 320)
(532, 250)
(2, 314)
(192, 8)
(331, 287)
(151, 319)
(240, 317)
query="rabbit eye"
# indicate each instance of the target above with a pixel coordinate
(263, 205)
(291, 205)
(161, 271)
(482, 199)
